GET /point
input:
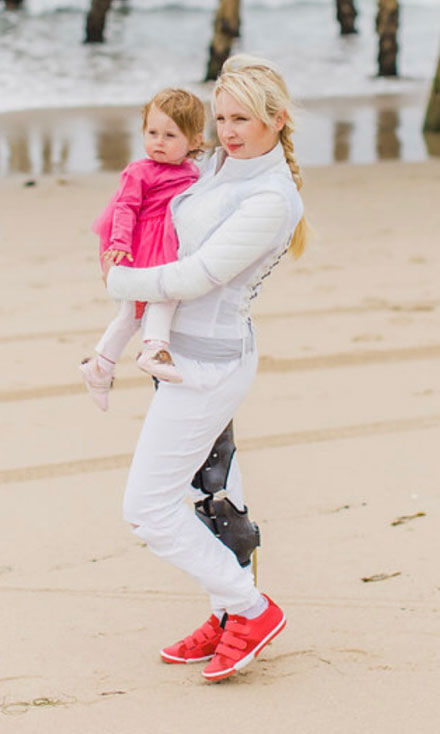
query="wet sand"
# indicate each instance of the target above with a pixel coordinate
(338, 445)
(90, 140)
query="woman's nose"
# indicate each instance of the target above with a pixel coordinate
(229, 130)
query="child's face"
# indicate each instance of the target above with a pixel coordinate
(164, 141)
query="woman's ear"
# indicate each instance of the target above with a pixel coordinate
(280, 120)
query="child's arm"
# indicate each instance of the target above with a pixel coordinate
(115, 256)
(127, 206)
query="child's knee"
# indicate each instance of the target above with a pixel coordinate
(127, 315)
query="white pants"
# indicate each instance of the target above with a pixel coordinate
(180, 428)
(155, 324)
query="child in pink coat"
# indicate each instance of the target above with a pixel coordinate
(136, 229)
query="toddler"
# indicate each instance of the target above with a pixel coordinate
(136, 229)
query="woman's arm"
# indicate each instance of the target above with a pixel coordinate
(252, 231)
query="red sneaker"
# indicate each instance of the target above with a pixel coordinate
(197, 647)
(243, 639)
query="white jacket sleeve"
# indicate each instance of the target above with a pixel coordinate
(252, 231)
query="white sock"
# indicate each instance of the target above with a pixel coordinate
(105, 365)
(256, 609)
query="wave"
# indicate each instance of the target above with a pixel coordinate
(44, 63)
(39, 7)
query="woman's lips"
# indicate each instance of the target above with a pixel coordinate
(234, 146)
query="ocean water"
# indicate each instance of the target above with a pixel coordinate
(44, 65)
(150, 44)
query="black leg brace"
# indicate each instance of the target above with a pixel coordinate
(213, 475)
(230, 525)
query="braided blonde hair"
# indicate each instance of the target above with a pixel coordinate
(257, 84)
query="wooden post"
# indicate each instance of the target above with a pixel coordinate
(387, 24)
(342, 133)
(432, 118)
(387, 141)
(346, 15)
(95, 22)
(226, 28)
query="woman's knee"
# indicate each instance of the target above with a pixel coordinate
(133, 509)
(160, 524)
(141, 514)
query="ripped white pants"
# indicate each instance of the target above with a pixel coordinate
(181, 426)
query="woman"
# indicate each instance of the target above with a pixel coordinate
(233, 226)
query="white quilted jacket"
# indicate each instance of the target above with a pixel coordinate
(233, 225)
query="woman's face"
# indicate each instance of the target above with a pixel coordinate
(240, 134)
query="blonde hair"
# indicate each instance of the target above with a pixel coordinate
(185, 109)
(258, 85)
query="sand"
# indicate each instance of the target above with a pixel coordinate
(338, 439)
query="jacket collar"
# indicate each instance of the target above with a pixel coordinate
(232, 168)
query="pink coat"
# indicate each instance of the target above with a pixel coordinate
(137, 217)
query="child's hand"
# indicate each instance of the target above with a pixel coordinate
(114, 257)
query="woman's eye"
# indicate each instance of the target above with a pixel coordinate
(170, 135)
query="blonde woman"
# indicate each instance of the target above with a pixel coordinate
(233, 226)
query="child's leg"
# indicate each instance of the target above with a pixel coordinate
(155, 358)
(156, 323)
(97, 373)
(118, 333)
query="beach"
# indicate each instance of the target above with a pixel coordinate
(338, 438)
(338, 444)
(359, 129)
